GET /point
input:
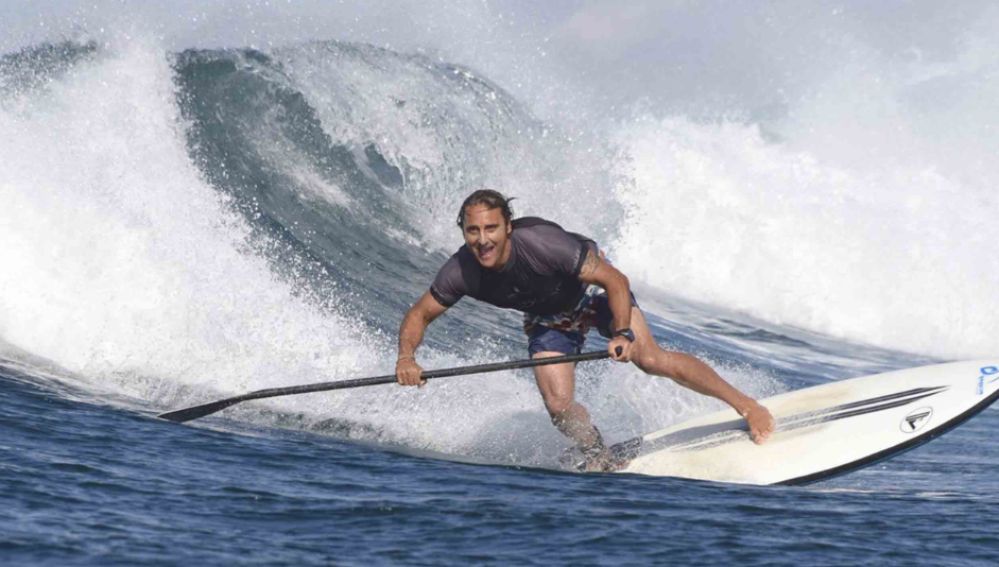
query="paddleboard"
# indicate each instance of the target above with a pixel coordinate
(821, 431)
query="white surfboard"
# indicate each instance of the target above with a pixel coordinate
(821, 431)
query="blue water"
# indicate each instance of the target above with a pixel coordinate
(91, 484)
(218, 221)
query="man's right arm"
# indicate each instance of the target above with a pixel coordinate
(414, 324)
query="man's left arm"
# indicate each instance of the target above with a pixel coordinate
(596, 271)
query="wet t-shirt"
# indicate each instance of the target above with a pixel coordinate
(541, 277)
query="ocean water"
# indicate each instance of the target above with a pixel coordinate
(190, 216)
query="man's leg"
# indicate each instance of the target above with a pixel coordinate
(647, 354)
(690, 372)
(557, 383)
(652, 359)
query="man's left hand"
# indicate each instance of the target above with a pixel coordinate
(624, 345)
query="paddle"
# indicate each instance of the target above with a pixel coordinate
(195, 412)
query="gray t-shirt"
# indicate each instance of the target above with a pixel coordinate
(541, 277)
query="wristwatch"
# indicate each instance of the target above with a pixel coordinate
(626, 333)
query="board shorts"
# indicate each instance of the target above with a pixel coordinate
(566, 332)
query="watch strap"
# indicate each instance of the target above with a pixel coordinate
(626, 333)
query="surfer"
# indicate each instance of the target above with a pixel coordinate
(564, 286)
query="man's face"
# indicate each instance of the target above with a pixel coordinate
(487, 235)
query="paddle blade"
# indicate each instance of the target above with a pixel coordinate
(187, 414)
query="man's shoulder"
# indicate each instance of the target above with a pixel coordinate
(536, 231)
(548, 248)
(528, 223)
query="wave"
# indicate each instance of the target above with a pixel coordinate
(829, 172)
(185, 224)
(895, 256)
(121, 262)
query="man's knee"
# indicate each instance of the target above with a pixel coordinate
(557, 406)
(649, 357)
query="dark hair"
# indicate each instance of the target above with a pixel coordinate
(491, 199)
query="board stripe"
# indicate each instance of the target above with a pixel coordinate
(734, 430)
(921, 392)
(858, 408)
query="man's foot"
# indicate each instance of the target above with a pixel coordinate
(603, 461)
(600, 460)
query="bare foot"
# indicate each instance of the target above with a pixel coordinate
(603, 461)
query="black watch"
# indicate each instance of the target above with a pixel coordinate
(626, 333)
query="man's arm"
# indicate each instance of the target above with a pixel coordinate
(414, 324)
(596, 271)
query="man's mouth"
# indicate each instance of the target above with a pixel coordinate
(486, 251)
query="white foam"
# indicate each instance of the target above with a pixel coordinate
(897, 255)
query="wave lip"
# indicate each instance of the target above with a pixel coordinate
(33, 67)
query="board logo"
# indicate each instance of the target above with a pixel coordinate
(916, 420)
(987, 371)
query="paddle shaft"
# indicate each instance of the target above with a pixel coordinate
(210, 408)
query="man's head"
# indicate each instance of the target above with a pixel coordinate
(485, 221)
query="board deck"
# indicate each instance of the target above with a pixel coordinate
(821, 431)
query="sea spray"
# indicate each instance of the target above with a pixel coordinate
(898, 257)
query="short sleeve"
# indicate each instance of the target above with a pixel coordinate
(553, 249)
(449, 285)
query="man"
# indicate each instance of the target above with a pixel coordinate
(564, 287)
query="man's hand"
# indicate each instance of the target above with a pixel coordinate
(620, 343)
(408, 372)
(761, 423)
(425, 310)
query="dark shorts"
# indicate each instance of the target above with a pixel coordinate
(566, 332)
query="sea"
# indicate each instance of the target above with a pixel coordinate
(185, 218)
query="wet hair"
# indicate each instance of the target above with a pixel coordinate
(491, 199)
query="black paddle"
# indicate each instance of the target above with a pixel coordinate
(188, 414)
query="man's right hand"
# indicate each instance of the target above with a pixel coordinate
(408, 372)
